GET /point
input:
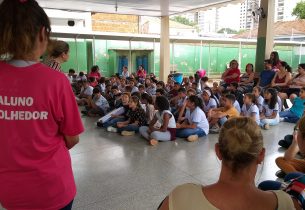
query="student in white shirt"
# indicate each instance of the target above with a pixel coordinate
(208, 101)
(195, 124)
(125, 72)
(259, 99)
(249, 108)
(85, 93)
(97, 105)
(166, 129)
(270, 113)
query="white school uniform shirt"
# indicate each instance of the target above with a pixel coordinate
(237, 106)
(198, 117)
(171, 122)
(279, 101)
(249, 110)
(125, 74)
(134, 89)
(103, 87)
(102, 103)
(88, 91)
(268, 111)
(181, 101)
(211, 104)
(260, 102)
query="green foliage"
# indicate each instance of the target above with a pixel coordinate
(299, 10)
(183, 20)
(228, 30)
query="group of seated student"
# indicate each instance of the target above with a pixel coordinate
(195, 107)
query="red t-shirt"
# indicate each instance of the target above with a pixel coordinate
(141, 74)
(231, 72)
(97, 75)
(37, 108)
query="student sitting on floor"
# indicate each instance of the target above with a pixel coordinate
(166, 130)
(135, 118)
(180, 101)
(259, 98)
(97, 105)
(218, 116)
(85, 93)
(181, 117)
(270, 113)
(208, 101)
(147, 101)
(296, 111)
(249, 108)
(233, 88)
(195, 124)
(118, 118)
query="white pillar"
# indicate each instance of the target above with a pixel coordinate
(164, 49)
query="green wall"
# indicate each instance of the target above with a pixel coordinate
(185, 59)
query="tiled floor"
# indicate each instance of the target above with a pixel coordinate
(118, 173)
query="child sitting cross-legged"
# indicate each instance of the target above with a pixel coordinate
(136, 117)
(218, 116)
(195, 124)
(97, 105)
(114, 119)
(166, 129)
(249, 108)
(270, 113)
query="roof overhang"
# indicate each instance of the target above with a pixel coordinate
(155, 8)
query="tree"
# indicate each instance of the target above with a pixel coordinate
(183, 20)
(228, 30)
(299, 10)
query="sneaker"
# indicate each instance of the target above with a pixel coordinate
(192, 138)
(214, 129)
(267, 126)
(283, 144)
(282, 119)
(280, 174)
(128, 133)
(153, 142)
(112, 129)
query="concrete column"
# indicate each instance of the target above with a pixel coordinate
(164, 49)
(265, 37)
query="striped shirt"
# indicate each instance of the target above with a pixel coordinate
(53, 64)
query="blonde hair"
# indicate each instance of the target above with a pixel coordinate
(57, 47)
(240, 142)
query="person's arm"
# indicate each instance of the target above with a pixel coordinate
(293, 149)
(152, 123)
(181, 112)
(274, 114)
(71, 141)
(166, 118)
(273, 80)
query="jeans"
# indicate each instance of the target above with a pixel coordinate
(275, 185)
(271, 122)
(186, 132)
(112, 122)
(158, 135)
(289, 116)
(68, 207)
(129, 127)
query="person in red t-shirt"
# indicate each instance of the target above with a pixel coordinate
(141, 73)
(39, 123)
(232, 74)
(95, 72)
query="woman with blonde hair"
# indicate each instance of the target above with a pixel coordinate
(58, 53)
(240, 148)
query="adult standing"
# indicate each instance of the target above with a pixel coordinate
(58, 53)
(39, 123)
(232, 74)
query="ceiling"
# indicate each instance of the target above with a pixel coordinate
(135, 7)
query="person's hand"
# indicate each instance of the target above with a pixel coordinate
(178, 125)
(114, 116)
(120, 125)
